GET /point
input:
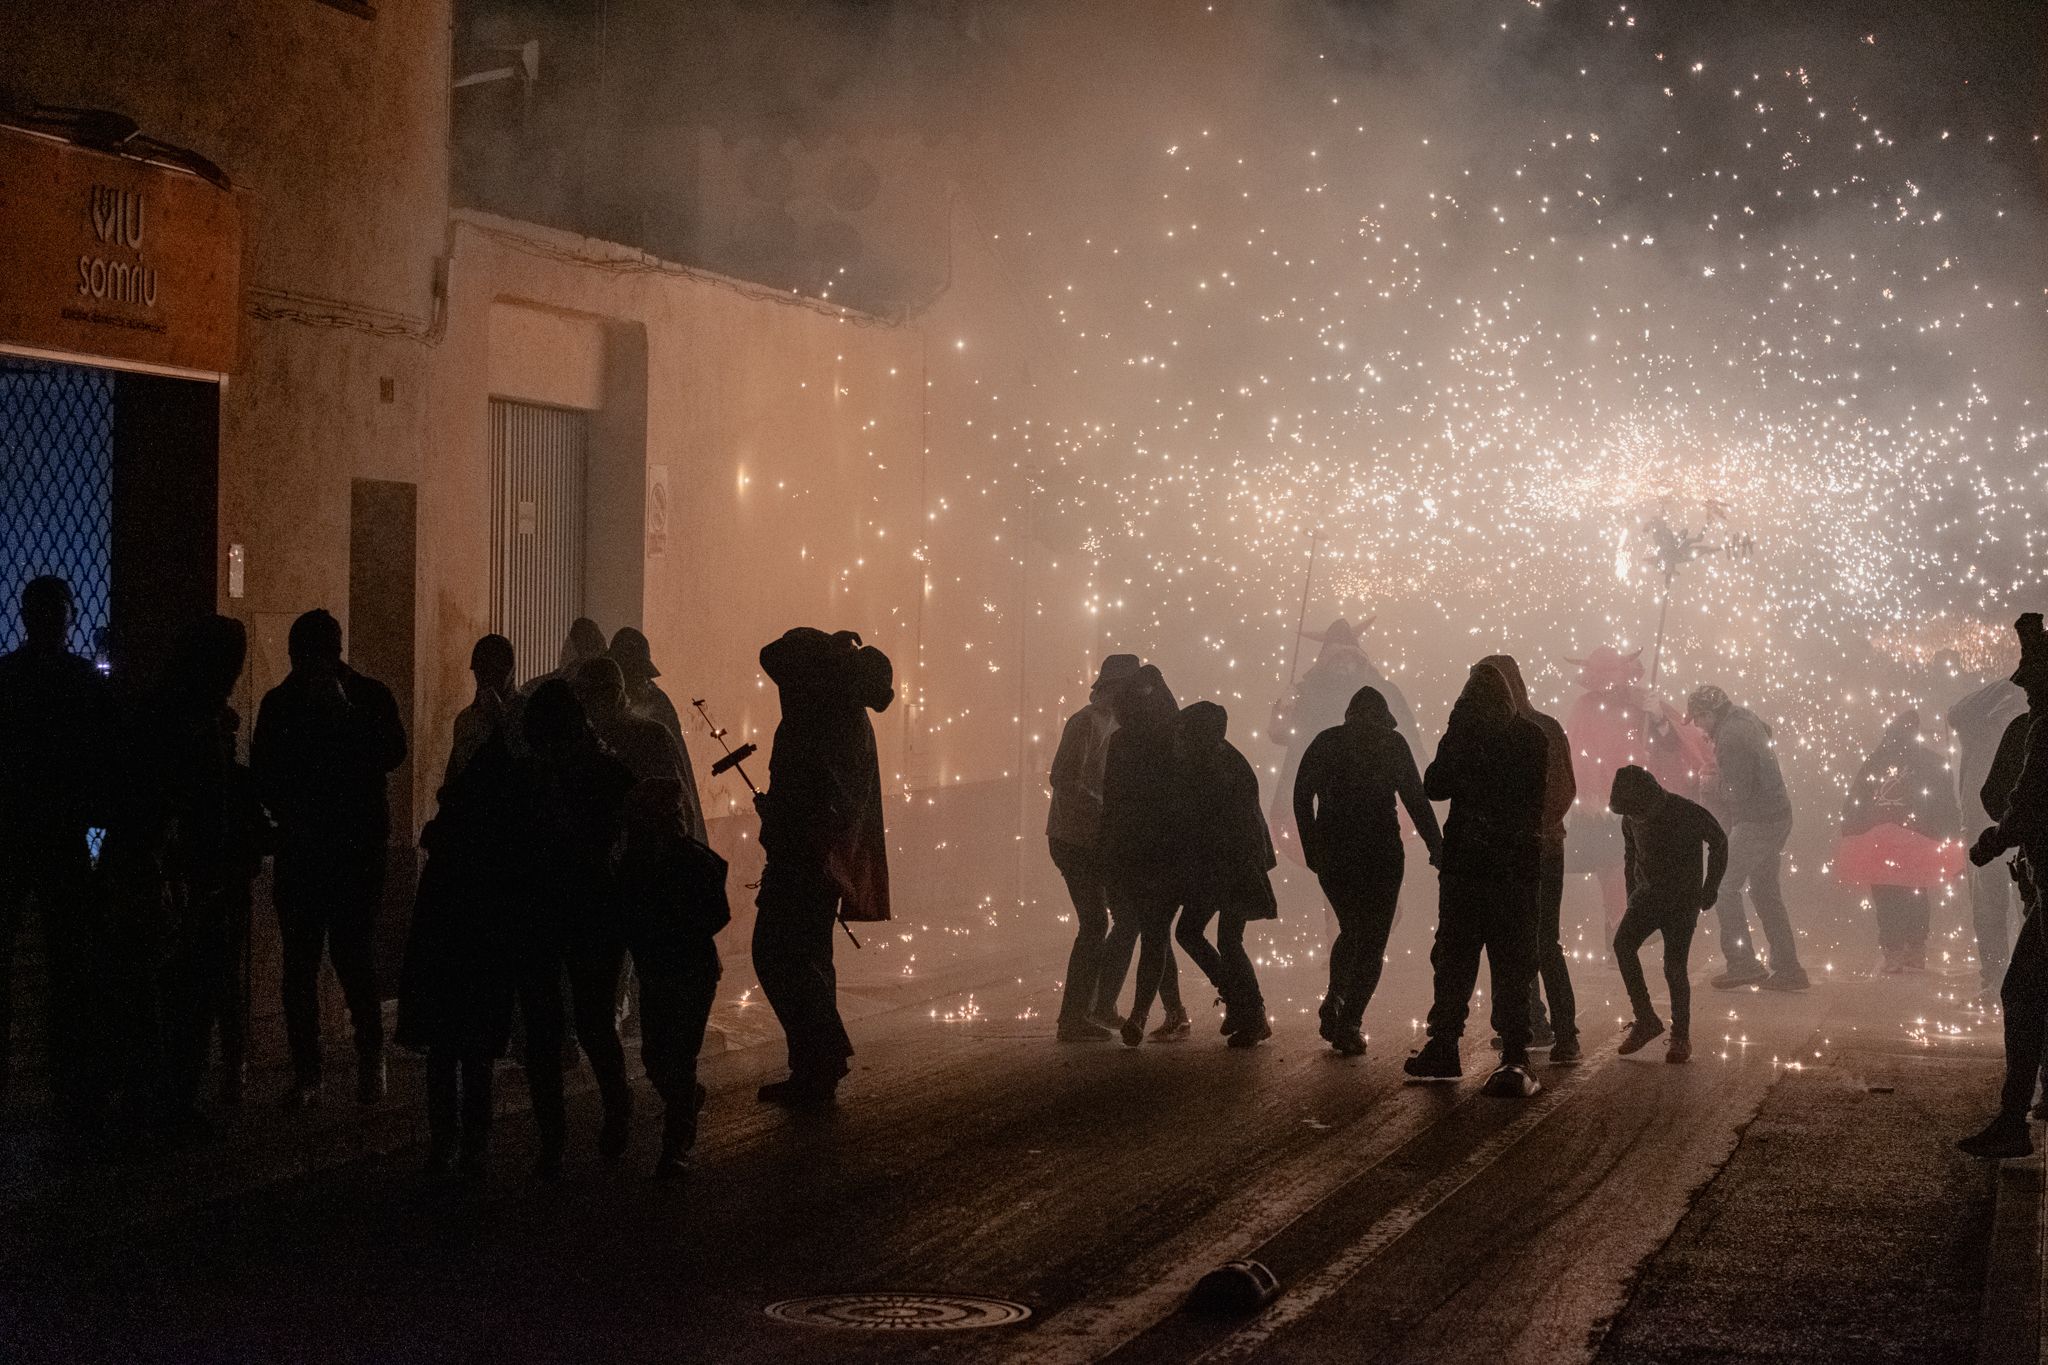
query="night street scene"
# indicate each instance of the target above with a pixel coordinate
(1023, 681)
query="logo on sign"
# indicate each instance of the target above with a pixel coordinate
(118, 221)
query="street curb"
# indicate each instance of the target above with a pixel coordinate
(2009, 1322)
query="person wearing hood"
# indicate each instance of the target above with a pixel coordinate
(1073, 832)
(1899, 824)
(1749, 798)
(1318, 703)
(327, 740)
(1345, 792)
(1979, 721)
(821, 827)
(1143, 850)
(1491, 766)
(1662, 838)
(645, 746)
(2022, 823)
(1560, 1031)
(56, 742)
(644, 696)
(584, 641)
(1230, 853)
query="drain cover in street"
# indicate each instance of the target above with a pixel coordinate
(899, 1312)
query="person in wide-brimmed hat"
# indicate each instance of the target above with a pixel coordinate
(1073, 831)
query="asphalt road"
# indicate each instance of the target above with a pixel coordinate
(972, 1154)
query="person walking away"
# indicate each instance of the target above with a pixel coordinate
(1073, 833)
(1662, 837)
(1899, 827)
(1143, 849)
(822, 829)
(645, 746)
(579, 792)
(56, 732)
(327, 740)
(460, 978)
(672, 894)
(1230, 853)
(1979, 721)
(1317, 703)
(1560, 1031)
(2022, 824)
(1749, 799)
(1344, 793)
(1491, 767)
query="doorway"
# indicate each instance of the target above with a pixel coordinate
(539, 457)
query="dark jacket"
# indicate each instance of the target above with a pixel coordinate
(672, 887)
(1077, 769)
(1229, 848)
(56, 743)
(1141, 834)
(1662, 841)
(1903, 782)
(1749, 789)
(2023, 812)
(1344, 796)
(1995, 794)
(322, 758)
(1560, 784)
(823, 809)
(1495, 778)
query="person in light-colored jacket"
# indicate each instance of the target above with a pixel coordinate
(1748, 797)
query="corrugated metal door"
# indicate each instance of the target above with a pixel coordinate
(537, 462)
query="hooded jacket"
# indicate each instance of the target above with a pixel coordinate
(1662, 835)
(1228, 845)
(1905, 783)
(1344, 795)
(1492, 769)
(1077, 771)
(823, 807)
(1560, 784)
(1749, 788)
(1141, 833)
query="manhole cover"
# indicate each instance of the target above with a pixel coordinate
(899, 1312)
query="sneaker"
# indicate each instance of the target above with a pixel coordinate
(1678, 1051)
(1133, 1033)
(1894, 962)
(1916, 958)
(1253, 1031)
(1735, 978)
(1793, 980)
(1639, 1035)
(673, 1163)
(2002, 1139)
(1349, 1042)
(1175, 1026)
(1566, 1051)
(1106, 1019)
(1083, 1031)
(372, 1082)
(1437, 1061)
(1511, 1082)
(1542, 1037)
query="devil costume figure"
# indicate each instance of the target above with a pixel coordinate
(1899, 829)
(821, 827)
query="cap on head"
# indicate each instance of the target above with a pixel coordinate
(632, 654)
(1116, 670)
(315, 638)
(491, 657)
(1706, 700)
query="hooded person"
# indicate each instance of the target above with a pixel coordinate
(1748, 796)
(327, 740)
(1073, 833)
(1318, 703)
(1230, 853)
(822, 831)
(1142, 852)
(1351, 777)
(644, 696)
(2016, 792)
(1560, 1031)
(1899, 826)
(494, 709)
(1979, 722)
(647, 748)
(1491, 766)
(584, 640)
(1664, 835)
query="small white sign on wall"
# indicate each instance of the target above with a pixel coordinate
(657, 510)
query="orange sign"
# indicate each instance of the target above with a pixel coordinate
(105, 256)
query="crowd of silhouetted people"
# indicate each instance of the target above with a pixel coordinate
(568, 877)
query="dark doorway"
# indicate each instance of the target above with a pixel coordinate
(381, 586)
(166, 518)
